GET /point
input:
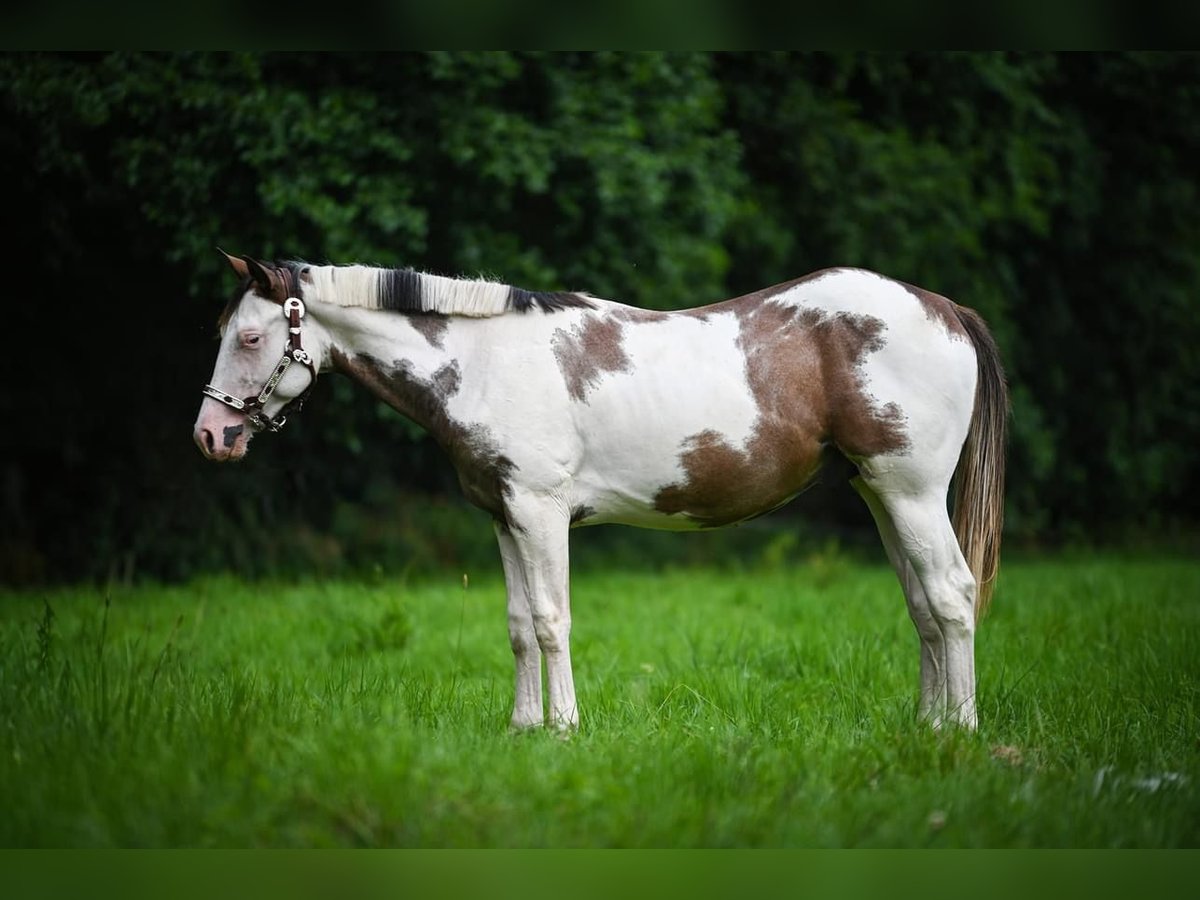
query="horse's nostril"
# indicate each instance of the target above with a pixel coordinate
(210, 442)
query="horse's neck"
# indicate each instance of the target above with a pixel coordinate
(404, 360)
(418, 338)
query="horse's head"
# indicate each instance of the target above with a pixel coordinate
(256, 375)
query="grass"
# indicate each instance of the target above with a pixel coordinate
(769, 707)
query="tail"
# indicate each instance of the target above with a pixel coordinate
(979, 479)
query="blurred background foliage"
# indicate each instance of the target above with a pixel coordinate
(1056, 194)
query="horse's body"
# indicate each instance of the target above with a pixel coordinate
(561, 410)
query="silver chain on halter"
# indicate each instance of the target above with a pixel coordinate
(253, 407)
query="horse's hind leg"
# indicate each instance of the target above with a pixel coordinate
(933, 648)
(527, 655)
(926, 541)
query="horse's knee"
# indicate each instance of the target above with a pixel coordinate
(553, 630)
(523, 643)
(521, 636)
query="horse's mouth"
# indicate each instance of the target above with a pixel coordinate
(223, 443)
(237, 444)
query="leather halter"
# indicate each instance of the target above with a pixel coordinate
(253, 406)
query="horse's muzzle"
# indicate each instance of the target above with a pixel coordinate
(221, 434)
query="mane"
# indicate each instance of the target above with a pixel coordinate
(409, 291)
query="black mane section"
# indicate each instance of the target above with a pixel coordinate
(400, 290)
(547, 301)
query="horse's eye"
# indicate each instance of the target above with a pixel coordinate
(251, 340)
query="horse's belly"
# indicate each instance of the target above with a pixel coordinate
(710, 482)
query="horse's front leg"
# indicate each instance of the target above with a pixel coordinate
(527, 705)
(538, 525)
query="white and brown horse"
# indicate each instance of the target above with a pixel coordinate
(562, 409)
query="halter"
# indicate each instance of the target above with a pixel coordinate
(293, 311)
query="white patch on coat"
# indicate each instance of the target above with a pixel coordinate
(686, 375)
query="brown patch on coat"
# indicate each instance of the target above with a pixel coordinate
(587, 351)
(940, 309)
(638, 315)
(842, 342)
(431, 326)
(724, 484)
(447, 380)
(483, 470)
(803, 368)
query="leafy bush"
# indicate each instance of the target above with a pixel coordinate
(1054, 193)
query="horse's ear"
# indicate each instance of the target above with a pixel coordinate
(267, 279)
(257, 272)
(239, 265)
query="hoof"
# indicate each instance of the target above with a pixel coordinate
(523, 727)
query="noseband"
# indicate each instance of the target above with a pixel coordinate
(253, 407)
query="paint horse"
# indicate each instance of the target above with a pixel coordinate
(562, 409)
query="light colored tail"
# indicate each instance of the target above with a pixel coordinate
(979, 479)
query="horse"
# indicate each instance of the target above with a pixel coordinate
(561, 410)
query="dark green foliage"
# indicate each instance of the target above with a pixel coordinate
(1056, 194)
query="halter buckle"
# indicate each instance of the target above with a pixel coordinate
(293, 303)
(259, 420)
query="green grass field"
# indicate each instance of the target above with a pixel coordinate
(770, 707)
